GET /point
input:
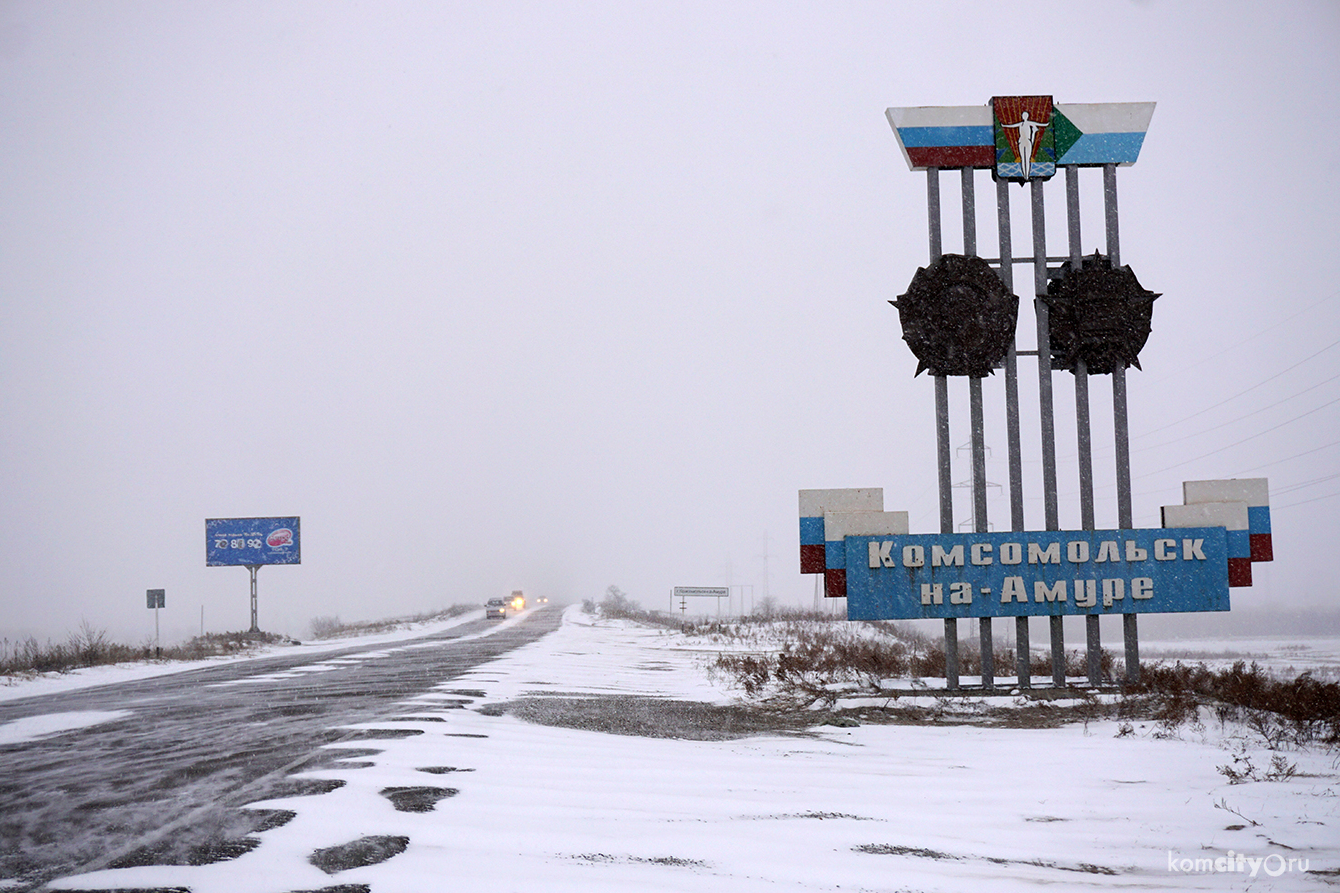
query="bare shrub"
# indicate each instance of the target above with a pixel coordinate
(326, 627)
(616, 603)
(1297, 711)
(815, 663)
(89, 644)
(1076, 664)
(1242, 769)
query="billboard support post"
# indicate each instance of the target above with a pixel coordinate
(255, 628)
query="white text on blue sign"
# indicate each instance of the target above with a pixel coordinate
(1037, 573)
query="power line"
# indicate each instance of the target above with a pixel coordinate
(1306, 501)
(1299, 486)
(1154, 446)
(1324, 446)
(1233, 347)
(1240, 393)
(1245, 439)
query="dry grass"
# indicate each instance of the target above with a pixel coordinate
(331, 627)
(90, 647)
(811, 660)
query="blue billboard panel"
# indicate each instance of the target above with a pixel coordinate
(248, 541)
(1055, 572)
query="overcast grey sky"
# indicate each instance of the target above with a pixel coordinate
(553, 295)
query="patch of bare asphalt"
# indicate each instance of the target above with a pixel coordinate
(358, 853)
(417, 799)
(649, 717)
(888, 849)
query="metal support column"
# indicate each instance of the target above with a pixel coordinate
(1121, 425)
(986, 648)
(942, 428)
(933, 210)
(1083, 427)
(969, 195)
(255, 628)
(946, 513)
(1045, 407)
(1093, 633)
(1012, 429)
(979, 518)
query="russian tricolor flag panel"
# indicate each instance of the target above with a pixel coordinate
(1253, 491)
(1245, 503)
(840, 525)
(813, 505)
(945, 136)
(1232, 516)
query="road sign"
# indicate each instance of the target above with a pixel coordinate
(1037, 573)
(706, 591)
(156, 598)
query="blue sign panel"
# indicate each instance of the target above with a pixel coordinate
(247, 541)
(1053, 572)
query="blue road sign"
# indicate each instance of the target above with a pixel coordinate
(1082, 572)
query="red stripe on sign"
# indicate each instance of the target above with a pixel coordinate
(952, 156)
(812, 559)
(1239, 572)
(1262, 547)
(835, 583)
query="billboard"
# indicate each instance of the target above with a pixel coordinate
(252, 541)
(1070, 572)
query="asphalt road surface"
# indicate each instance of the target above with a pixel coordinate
(162, 784)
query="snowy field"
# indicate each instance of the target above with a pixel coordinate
(1286, 656)
(480, 800)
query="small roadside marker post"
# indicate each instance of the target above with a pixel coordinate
(156, 599)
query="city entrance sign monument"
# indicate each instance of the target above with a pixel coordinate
(1092, 317)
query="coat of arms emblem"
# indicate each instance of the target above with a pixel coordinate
(1025, 137)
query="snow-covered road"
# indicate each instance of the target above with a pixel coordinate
(469, 797)
(151, 768)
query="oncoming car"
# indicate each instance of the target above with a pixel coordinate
(496, 607)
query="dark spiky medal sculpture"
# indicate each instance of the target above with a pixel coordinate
(957, 316)
(1099, 315)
